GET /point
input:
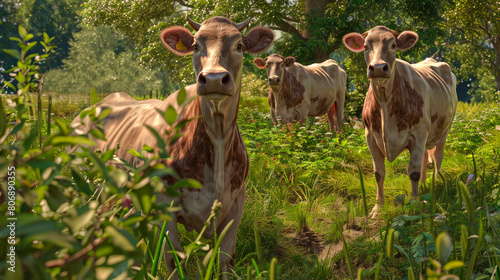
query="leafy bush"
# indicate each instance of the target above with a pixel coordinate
(103, 59)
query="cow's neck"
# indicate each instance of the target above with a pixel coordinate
(289, 93)
(384, 93)
(220, 125)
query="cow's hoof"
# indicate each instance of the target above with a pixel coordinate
(374, 213)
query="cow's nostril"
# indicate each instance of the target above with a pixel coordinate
(202, 80)
(226, 80)
(371, 69)
(277, 80)
(385, 68)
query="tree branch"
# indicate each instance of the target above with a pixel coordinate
(289, 18)
(79, 255)
(288, 28)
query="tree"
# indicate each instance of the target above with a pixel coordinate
(103, 59)
(475, 25)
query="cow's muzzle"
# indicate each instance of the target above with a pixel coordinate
(379, 70)
(215, 85)
(274, 80)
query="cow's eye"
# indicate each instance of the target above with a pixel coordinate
(366, 47)
(196, 48)
(394, 45)
(240, 46)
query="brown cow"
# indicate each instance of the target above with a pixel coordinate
(408, 106)
(298, 91)
(211, 149)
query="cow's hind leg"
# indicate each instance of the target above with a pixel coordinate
(228, 245)
(379, 169)
(339, 102)
(332, 120)
(415, 167)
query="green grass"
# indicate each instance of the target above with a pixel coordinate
(302, 174)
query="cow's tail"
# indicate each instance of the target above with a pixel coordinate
(332, 109)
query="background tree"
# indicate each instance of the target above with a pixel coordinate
(475, 44)
(103, 59)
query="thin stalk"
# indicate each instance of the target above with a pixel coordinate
(49, 116)
(475, 252)
(363, 193)
(347, 254)
(158, 249)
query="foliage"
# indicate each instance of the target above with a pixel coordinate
(103, 59)
(475, 42)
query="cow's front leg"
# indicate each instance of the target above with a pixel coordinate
(417, 152)
(379, 169)
(228, 245)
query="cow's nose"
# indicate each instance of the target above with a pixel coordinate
(379, 70)
(220, 82)
(274, 80)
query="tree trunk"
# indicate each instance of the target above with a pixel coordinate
(496, 46)
(316, 8)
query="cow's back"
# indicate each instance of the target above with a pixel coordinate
(126, 124)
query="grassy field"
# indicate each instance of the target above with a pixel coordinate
(303, 191)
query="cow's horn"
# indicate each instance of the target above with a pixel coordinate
(242, 25)
(194, 25)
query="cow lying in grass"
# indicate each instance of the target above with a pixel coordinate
(408, 106)
(298, 91)
(211, 149)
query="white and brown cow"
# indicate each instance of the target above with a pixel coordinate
(408, 106)
(298, 91)
(211, 149)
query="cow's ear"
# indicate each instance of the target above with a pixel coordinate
(178, 40)
(258, 39)
(354, 41)
(406, 40)
(261, 63)
(289, 61)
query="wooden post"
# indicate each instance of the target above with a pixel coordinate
(49, 115)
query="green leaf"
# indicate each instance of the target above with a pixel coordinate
(93, 96)
(22, 32)
(80, 221)
(30, 45)
(104, 114)
(135, 153)
(170, 115)
(390, 243)
(80, 182)
(181, 96)
(121, 239)
(97, 134)
(45, 37)
(443, 246)
(20, 77)
(16, 39)
(14, 53)
(3, 120)
(72, 140)
(187, 183)
(453, 264)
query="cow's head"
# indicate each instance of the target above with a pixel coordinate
(275, 66)
(380, 45)
(217, 49)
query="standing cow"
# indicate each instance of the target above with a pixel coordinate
(298, 91)
(408, 106)
(211, 149)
